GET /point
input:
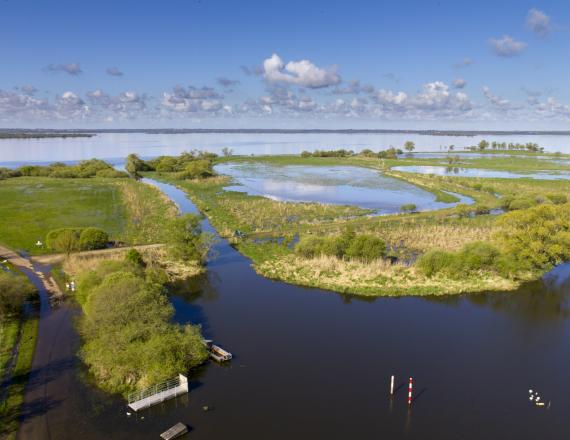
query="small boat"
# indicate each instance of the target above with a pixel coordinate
(216, 352)
(176, 431)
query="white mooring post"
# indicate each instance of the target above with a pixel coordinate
(392, 385)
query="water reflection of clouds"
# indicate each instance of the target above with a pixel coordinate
(340, 185)
(482, 173)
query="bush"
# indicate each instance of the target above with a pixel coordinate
(557, 199)
(463, 210)
(93, 238)
(473, 257)
(196, 169)
(481, 209)
(434, 261)
(538, 237)
(64, 240)
(133, 256)
(366, 248)
(408, 207)
(14, 290)
(477, 256)
(309, 247)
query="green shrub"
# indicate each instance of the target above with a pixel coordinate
(366, 248)
(197, 169)
(481, 209)
(333, 246)
(434, 261)
(477, 256)
(557, 199)
(309, 247)
(408, 207)
(133, 256)
(538, 237)
(93, 238)
(517, 203)
(463, 210)
(64, 240)
(473, 257)
(14, 290)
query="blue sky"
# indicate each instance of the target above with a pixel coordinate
(402, 64)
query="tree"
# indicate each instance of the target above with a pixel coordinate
(366, 248)
(93, 238)
(196, 169)
(483, 145)
(538, 237)
(14, 289)
(64, 240)
(409, 146)
(408, 207)
(227, 152)
(134, 165)
(186, 240)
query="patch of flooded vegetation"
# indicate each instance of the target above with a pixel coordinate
(482, 173)
(338, 185)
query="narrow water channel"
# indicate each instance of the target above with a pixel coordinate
(315, 364)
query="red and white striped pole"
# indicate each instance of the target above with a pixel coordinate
(410, 392)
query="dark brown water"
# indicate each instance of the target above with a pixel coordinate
(315, 364)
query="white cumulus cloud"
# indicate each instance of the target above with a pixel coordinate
(507, 46)
(301, 73)
(538, 22)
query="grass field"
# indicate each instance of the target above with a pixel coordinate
(31, 206)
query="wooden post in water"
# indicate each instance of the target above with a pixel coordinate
(410, 392)
(392, 385)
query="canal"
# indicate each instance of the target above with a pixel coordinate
(315, 364)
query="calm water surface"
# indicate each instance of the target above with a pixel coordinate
(475, 172)
(116, 146)
(315, 364)
(340, 185)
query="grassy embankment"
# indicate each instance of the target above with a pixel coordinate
(406, 235)
(18, 334)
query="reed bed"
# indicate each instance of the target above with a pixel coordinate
(379, 278)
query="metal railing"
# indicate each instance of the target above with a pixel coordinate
(164, 388)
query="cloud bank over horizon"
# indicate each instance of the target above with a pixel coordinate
(304, 84)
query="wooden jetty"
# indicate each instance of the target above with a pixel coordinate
(176, 431)
(216, 352)
(158, 393)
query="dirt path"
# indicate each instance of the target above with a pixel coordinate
(58, 258)
(52, 369)
(23, 263)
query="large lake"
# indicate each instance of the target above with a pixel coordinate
(116, 146)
